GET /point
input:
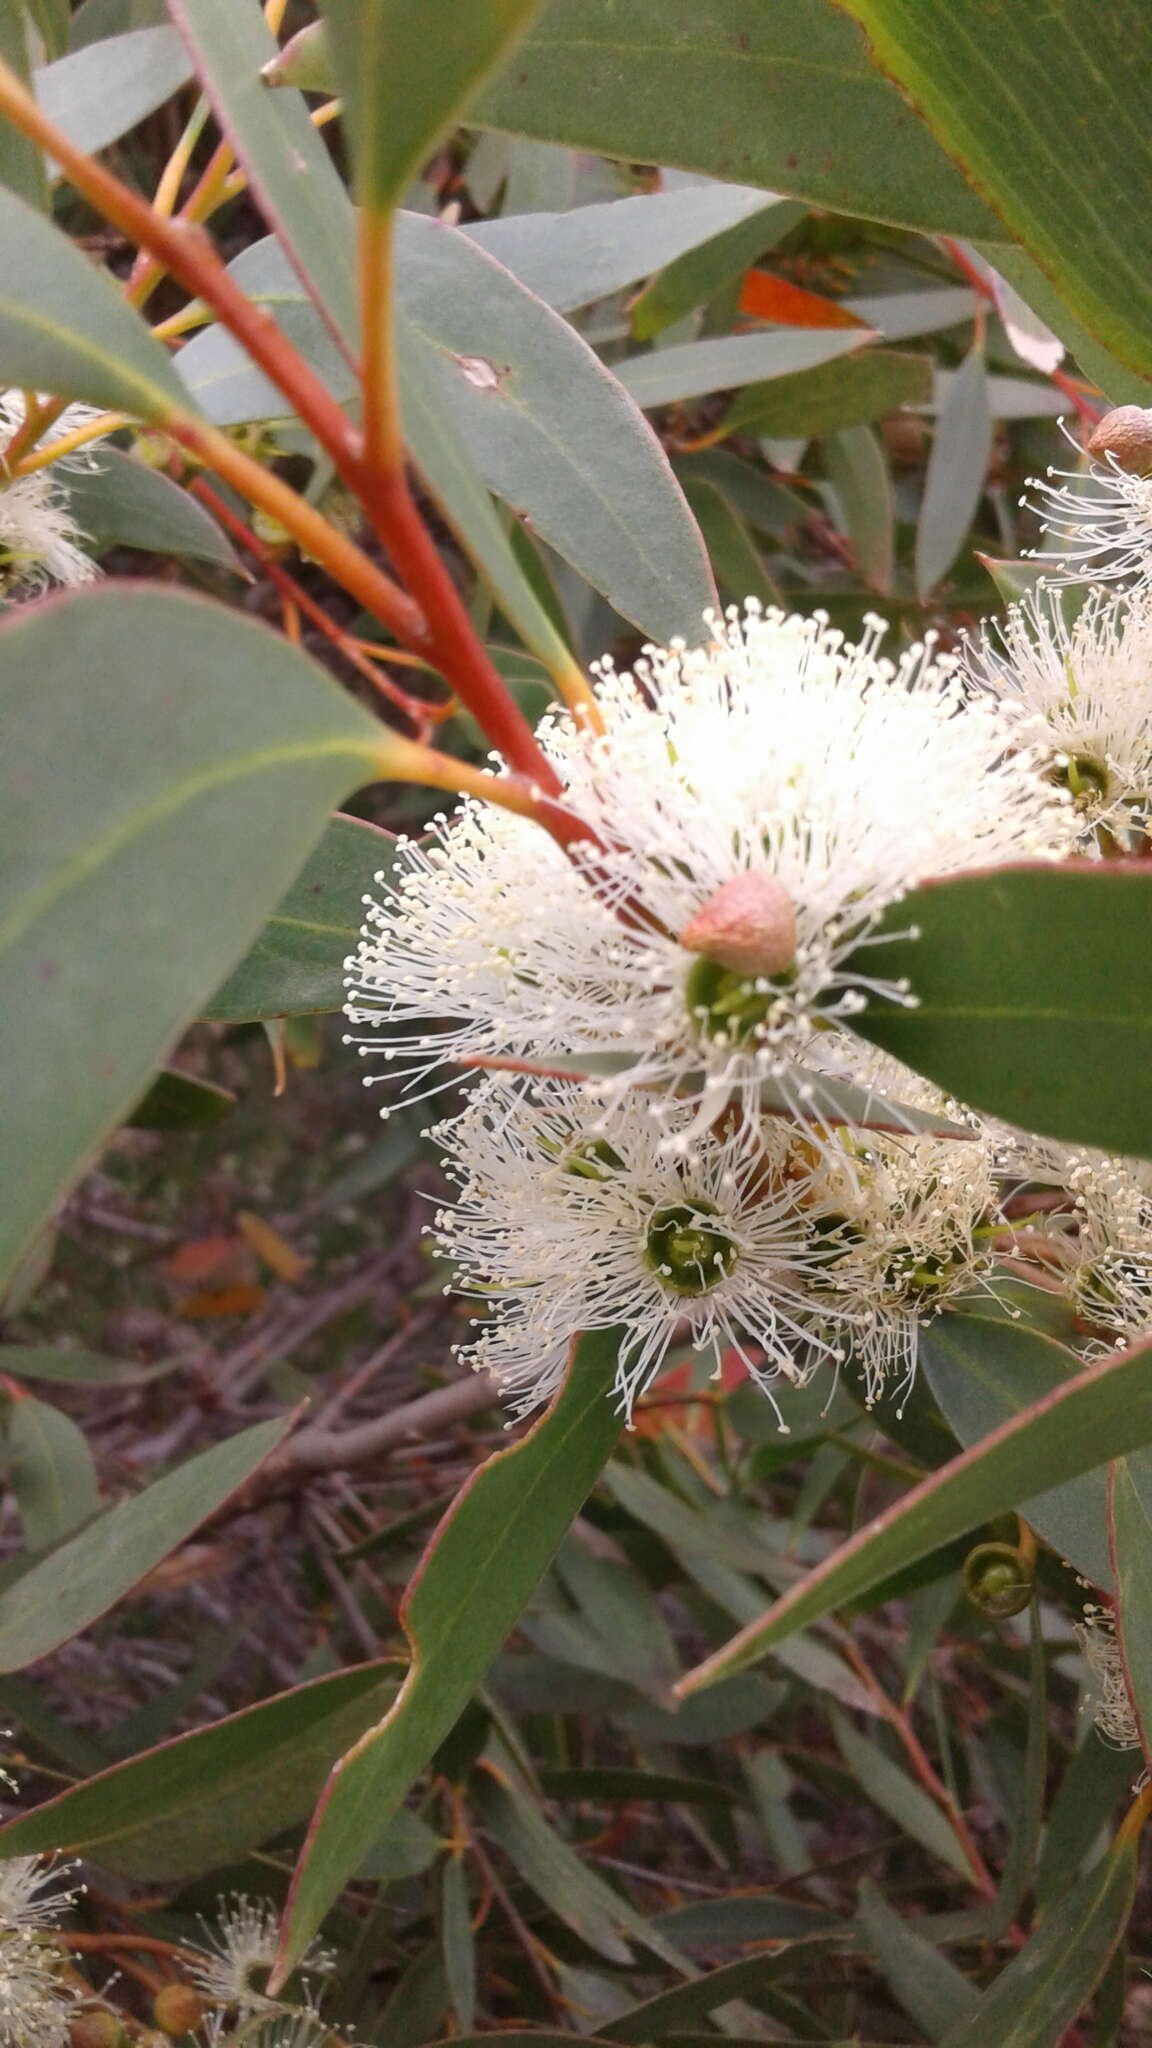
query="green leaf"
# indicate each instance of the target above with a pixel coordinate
(86, 1576)
(50, 18)
(480, 359)
(295, 181)
(1118, 383)
(551, 430)
(50, 1470)
(65, 328)
(1099, 1414)
(458, 1941)
(1028, 1816)
(1006, 1369)
(477, 1575)
(1005, 100)
(702, 271)
(1044, 1986)
(570, 259)
(99, 93)
(406, 1848)
(957, 467)
(834, 395)
(781, 96)
(859, 474)
(931, 1990)
(176, 1101)
(119, 502)
(296, 966)
(610, 1782)
(204, 1799)
(1016, 971)
(694, 369)
(77, 1368)
(552, 1869)
(897, 1795)
(21, 163)
(1130, 1528)
(96, 19)
(404, 76)
(149, 820)
(669, 2011)
(735, 558)
(1081, 1814)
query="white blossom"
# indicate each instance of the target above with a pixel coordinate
(233, 1967)
(1110, 1702)
(36, 2008)
(569, 1218)
(30, 1895)
(39, 539)
(777, 751)
(1087, 690)
(1099, 520)
(1099, 1238)
(909, 1223)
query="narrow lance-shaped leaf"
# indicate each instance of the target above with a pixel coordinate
(1020, 973)
(1043, 1988)
(476, 1577)
(149, 822)
(404, 74)
(208, 1797)
(100, 92)
(981, 1376)
(86, 1576)
(1049, 120)
(292, 174)
(957, 467)
(1097, 1414)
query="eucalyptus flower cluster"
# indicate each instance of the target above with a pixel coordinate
(681, 1134)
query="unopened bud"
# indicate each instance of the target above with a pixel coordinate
(177, 2009)
(747, 925)
(95, 2030)
(1124, 435)
(998, 1579)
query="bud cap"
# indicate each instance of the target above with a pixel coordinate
(1124, 435)
(748, 925)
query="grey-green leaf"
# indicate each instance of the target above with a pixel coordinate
(87, 1575)
(1042, 1989)
(405, 73)
(98, 93)
(204, 1799)
(170, 764)
(297, 963)
(65, 328)
(957, 467)
(50, 1470)
(783, 96)
(117, 501)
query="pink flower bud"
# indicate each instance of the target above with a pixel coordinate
(1125, 434)
(748, 924)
